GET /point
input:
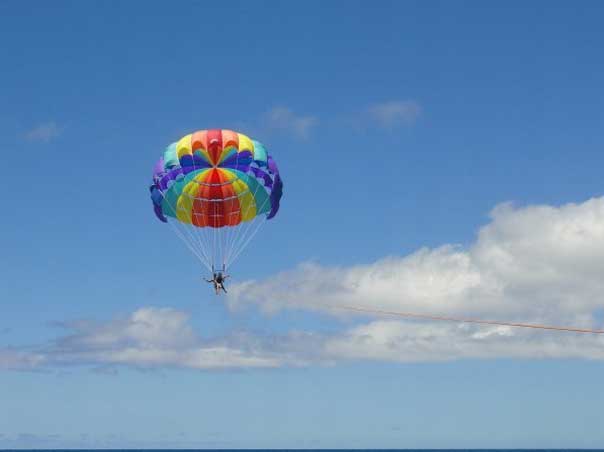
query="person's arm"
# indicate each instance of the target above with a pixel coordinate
(226, 276)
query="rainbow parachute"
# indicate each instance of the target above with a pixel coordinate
(216, 188)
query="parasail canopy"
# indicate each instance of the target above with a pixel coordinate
(216, 188)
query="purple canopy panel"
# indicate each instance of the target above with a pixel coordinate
(272, 165)
(158, 169)
(156, 195)
(169, 176)
(267, 179)
(275, 197)
(159, 213)
(240, 161)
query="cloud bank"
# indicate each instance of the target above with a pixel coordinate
(536, 264)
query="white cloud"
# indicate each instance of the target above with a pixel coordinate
(395, 113)
(538, 264)
(377, 340)
(147, 327)
(150, 337)
(45, 132)
(283, 118)
(399, 341)
(425, 279)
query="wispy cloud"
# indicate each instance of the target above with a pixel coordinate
(12, 358)
(147, 338)
(395, 113)
(44, 132)
(376, 340)
(153, 337)
(386, 115)
(285, 119)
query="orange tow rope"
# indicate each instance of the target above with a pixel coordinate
(464, 320)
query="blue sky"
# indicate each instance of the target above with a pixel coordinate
(398, 127)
